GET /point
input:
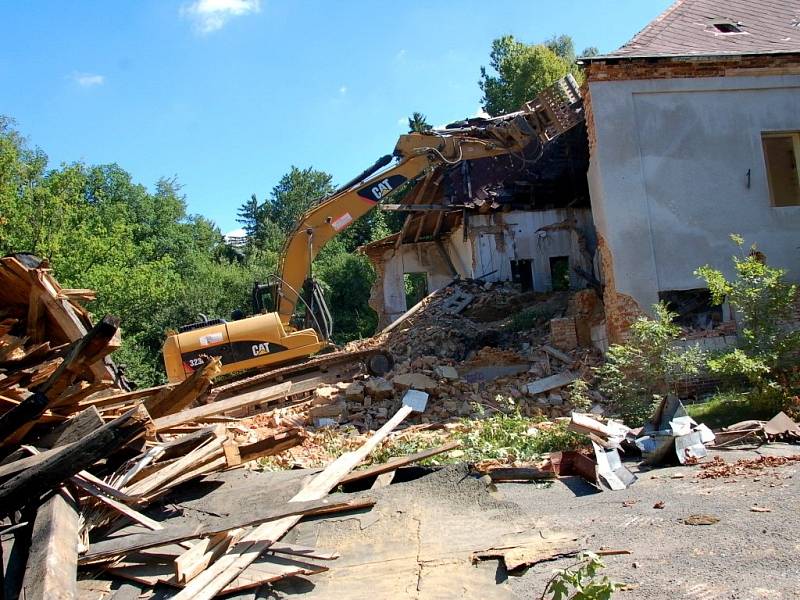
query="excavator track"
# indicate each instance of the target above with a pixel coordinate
(340, 360)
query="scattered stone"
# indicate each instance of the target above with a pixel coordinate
(354, 391)
(417, 381)
(555, 399)
(550, 383)
(446, 372)
(379, 388)
(659, 504)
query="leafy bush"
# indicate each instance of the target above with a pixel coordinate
(506, 437)
(581, 581)
(763, 301)
(636, 374)
(579, 396)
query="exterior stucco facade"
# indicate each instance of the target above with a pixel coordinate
(676, 166)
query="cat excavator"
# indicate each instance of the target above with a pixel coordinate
(278, 340)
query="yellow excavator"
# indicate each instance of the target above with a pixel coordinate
(272, 339)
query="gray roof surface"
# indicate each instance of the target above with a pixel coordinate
(687, 29)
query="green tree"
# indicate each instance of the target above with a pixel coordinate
(763, 300)
(518, 72)
(418, 124)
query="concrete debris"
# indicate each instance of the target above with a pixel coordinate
(673, 434)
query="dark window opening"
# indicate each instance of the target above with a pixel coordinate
(522, 273)
(416, 287)
(782, 155)
(559, 273)
(727, 27)
(694, 308)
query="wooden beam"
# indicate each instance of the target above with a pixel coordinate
(73, 429)
(228, 567)
(169, 401)
(33, 482)
(35, 323)
(51, 572)
(112, 547)
(270, 394)
(396, 463)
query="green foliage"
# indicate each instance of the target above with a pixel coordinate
(726, 408)
(581, 581)
(507, 437)
(518, 71)
(579, 395)
(416, 287)
(153, 264)
(418, 124)
(636, 374)
(763, 301)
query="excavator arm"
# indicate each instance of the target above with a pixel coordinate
(551, 113)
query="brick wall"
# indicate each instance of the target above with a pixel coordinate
(700, 66)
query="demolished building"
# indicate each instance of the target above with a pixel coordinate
(497, 219)
(692, 133)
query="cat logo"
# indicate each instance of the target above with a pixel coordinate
(380, 190)
(260, 349)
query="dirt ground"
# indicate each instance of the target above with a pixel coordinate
(417, 540)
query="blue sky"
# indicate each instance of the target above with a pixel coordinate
(228, 94)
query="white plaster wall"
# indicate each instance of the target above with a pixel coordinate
(498, 238)
(411, 258)
(668, 176)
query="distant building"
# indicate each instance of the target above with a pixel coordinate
(236, 238)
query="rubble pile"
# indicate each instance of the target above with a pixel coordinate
(83, 461)
(457, 346)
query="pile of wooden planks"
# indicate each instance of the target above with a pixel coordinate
(82, 460)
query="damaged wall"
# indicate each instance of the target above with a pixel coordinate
(492, 242)
(677, 165)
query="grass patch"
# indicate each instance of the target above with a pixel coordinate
(727, 408)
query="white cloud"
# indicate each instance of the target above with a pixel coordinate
(88, 79)
(211, 15)
(482, 113)
(400, 55)
(343, 90)
(402, 120)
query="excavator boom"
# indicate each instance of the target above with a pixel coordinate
(270, 339)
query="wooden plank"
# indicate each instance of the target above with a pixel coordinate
(270, 394)
(35, 322)
(267, 569)
(52, 567)
(396, 463)
(383, 480)
(169, 401)
(73, 429)
(192, 562)
(57, 468)
(214, 579)
(112, 547)
(270, 446)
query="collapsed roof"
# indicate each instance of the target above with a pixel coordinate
(554, 178)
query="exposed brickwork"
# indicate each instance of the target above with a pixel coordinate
(563, 334)
(621, 310)
(673, 68)
(587, 308)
